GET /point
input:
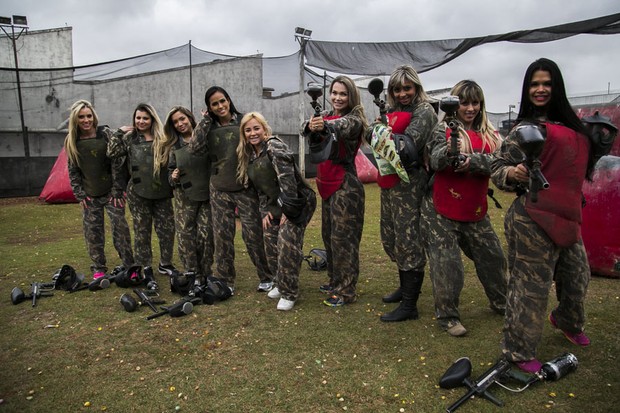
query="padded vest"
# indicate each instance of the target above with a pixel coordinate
(564, 161)
(264, 178)
(462, 196)
(195, 171)
(96, 167)
(143, 182)
(222, 142)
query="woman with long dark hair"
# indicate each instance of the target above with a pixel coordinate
(217, 135)
(342, 210)
(544, 235)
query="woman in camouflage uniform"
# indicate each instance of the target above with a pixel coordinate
(189, 178)
(217, 135)
(98, 183)
(454, 213)
(148, 193)
(286, 202)
(544, 235)
(342, 211)
(411, 119)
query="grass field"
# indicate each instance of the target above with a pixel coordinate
(82, 352)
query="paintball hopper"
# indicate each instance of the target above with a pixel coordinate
(456, 374)
(18, 296)
(129, 303)
(375, 87)
(449, 105)
(315, 92)
(67, 279)
(530, 139)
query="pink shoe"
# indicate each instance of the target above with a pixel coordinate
(529, 366)
(579, 339)
(98, 275)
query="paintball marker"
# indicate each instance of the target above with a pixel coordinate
(37, 290)
(180, 308)
(531, 142)
(458, 375)
(147, 299)
(449, 105)
(375, 87)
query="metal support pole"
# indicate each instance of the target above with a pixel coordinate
(191, 84)
(302, 143)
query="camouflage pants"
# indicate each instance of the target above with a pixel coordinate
(223, 206)
(444, 239)
(342, 221)
(284, 249)
(194, 230)
(534, 261)
(94, 233)
(147, 213)
(400, 223)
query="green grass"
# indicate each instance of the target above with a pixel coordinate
(242, 355)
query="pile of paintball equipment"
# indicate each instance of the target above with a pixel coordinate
(459, 374)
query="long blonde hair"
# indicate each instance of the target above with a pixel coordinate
(470, 91)
(244, 149)
(161, 144)
(74, 129)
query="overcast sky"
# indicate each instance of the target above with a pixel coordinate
(115, 29)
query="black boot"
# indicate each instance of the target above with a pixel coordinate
(397, 295)
(411, 285)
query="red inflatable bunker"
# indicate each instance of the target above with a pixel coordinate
(601, 218)
(57, 189)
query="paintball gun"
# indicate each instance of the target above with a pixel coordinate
(531, 141)
(149, 299)
(375, 87)
(146, 299)
(180, 308)
(458, 375)
(37, 290)
(449, 105)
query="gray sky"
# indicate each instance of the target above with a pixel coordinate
(114, 29)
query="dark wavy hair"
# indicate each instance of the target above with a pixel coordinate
(213, 90)
(558, 109)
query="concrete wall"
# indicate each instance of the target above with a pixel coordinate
(52, 48)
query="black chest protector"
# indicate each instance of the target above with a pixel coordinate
(222, 142)
(265, 179)
(143, 182)
(96, 167)
(195, 171)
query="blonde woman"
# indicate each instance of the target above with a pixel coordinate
(148, 193)
(98, 184)
(286, 202)
(454, 215)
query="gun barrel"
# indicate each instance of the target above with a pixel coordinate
(144, 299)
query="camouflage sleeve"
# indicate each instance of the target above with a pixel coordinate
(284, 165)
(509, 155)
(437, 148)
(75, 178)
(198, 142)
(118, 144)
(172, 165)
(119, 168)
(348, 127)
(421, 126)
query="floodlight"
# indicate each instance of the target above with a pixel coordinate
(5, 20)
(20, 20)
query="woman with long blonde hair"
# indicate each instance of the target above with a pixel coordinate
(286, 202)
(98, 184)
(455, 215)
(148, 193)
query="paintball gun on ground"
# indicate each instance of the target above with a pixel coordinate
(531, 141)
(37, 290)
(180, 308)
(149, 299)
(458, 375)
(449, 105)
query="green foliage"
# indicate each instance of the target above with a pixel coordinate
(244, 356)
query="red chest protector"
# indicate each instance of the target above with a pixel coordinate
(330, 173)
(564, 162)
(462, 196)
(399, 122)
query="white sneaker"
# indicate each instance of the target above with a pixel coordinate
(264, 287)
(285, 305)
(274, 293)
